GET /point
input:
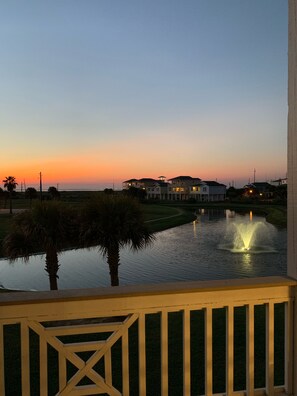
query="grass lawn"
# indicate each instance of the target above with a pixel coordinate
(161, 217)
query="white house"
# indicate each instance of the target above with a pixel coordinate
(208, 191)
(180, 188)
(159, 190)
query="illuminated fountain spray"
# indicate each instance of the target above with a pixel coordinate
(245, 235)
(249, 236)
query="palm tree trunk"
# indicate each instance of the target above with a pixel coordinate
(113, 260)
(52, 267)
(10, 202)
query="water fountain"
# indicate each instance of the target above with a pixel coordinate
(246, 235)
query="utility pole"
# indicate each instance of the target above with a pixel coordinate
(40, 185)
(254, 175)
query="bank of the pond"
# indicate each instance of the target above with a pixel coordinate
(161, 217)
(274, 214)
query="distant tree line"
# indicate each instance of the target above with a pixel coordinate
(10, 184)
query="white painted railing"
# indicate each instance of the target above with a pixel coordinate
(170, 339)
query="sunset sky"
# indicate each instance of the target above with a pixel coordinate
(94, 92)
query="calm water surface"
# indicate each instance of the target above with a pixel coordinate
(201, 250)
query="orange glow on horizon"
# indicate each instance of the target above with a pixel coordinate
(122, 163)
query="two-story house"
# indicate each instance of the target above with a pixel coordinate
(143, 183)
(208, 191)
(179, 187)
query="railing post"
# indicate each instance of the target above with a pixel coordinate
(2, 380)
(250, 349)
(229, 350)
(141, 354)
(208, 350)
(164, 353)
(289, 326)
(294, 385)
(291, 344)
(186, 353)
(269, 348)
(25, 361)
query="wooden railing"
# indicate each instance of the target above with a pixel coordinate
(168, 339)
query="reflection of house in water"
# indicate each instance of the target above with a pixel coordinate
(211, 214)
(230, 214)
(180, 188)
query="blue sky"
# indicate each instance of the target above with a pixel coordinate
(96, 92)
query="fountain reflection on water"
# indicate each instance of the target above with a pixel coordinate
(244, 235)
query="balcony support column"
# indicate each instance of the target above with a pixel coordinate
(292, 141)
(292, 168)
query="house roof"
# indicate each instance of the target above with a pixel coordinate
(279, 180)
(258, 185)
(147, 179)
(130, 181)
(212, 183)
(184, 178)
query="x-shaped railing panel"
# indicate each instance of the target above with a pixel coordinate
(69, 352)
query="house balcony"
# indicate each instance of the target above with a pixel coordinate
(187, 338)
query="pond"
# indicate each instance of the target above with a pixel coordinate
(218, 245)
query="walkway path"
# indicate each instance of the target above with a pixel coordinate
(180, 212)
(6, 211)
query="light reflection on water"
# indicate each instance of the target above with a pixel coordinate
(185, 253)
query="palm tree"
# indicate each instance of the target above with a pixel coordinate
(31, 193)
(48, 227)
(53, 192)
(112, 222)
(10, 184)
